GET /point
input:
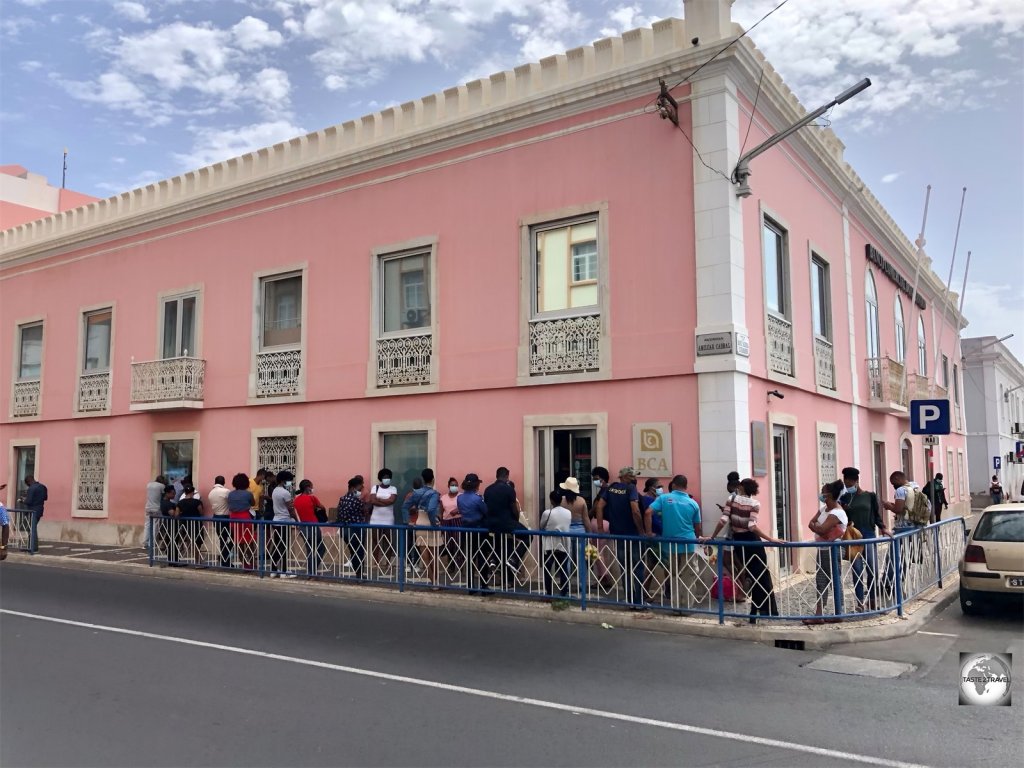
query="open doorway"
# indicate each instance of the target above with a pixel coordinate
(564, 452)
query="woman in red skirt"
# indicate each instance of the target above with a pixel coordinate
(240, 505)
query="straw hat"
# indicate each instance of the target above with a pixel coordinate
(570, 484)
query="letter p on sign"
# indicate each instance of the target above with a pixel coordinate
(929, 417)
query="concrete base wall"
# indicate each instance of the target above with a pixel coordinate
(91, 532)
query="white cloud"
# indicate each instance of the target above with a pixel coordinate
(252, 33)
(272, 88)
(625, 18)
(111, 89)
(30, 66)
(13, 26)
(897, 44)
(132, 11)
(889, 178)
(141, 179)
(213, 144)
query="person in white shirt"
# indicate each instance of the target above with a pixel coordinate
(557, 563)
(383, 544)
(284, 511)
(218, 498)
(828, 525)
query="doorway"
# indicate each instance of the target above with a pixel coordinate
(175, 457)
(564, 452)
(783, 486)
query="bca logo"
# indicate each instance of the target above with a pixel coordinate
(651, 440)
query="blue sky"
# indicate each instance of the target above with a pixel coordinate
(139, 91)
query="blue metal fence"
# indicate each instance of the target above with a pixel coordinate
(722, 579)
(24, 530)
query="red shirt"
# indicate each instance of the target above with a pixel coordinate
(304, 504)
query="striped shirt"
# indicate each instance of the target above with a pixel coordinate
(741, 513)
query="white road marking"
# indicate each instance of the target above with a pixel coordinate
(936, 634)
(571, 709)
(83, 552)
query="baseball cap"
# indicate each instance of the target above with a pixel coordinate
(627, 471)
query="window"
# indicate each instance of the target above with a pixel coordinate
(179, 327)
(405, 454)
(30, 351)
(961, 475)
(821, 298)
(24, 465)
(922, 349)
(278, 453)
(405, 294)
(827, 462)
(907, 458)
(871, 305)
(282, 311)
(566, 266)
(776, 289)
(97, 341)
(956, 386)
(90, 484)
(945, 373)
(901, 332)
(175, 458)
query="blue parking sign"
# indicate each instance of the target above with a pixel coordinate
(997, 462)
(929, 417)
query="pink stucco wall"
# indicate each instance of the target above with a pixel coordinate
(473, 207)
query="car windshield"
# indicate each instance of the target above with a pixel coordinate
(1001, 526)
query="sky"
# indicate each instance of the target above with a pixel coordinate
(141, 91)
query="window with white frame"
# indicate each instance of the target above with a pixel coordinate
(24, 465)
(922, 349)
(956, 385)
(178, 333)
(30, 351)
(827, 461)
(961, 475)
(281, 321)
(278, 453)
(901, 332)
(945, 373)
(405, 303)
(776, 267)
(871, 310)
(566, 263)
(405, 454)
(821, 298)
(97, 341)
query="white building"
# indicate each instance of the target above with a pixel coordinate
(994, 399)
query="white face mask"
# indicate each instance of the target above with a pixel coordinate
(453, 489)
(386, 482)
(597, 483)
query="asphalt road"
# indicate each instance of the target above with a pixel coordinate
(210, 674)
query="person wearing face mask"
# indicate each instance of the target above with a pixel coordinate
(382, 500)
(311, 511)
(451, 519)
(828, 525)
(351, 517)
(864, 513)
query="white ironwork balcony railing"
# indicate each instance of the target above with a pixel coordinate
(885, 383)
(404, 361)
(94, 391)
(824, 363)
(565, 345)
(174, 380)
(26, 398)
(780, 345)
(278, 373)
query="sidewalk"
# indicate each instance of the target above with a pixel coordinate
(787, 634)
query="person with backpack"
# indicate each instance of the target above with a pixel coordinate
(936, 494)
(910, 512)
(995, 490)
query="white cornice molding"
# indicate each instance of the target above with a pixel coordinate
(584, 78)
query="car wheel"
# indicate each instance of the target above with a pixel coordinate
(969, 604)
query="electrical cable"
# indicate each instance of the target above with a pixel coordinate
(700, 157)
(753, 111)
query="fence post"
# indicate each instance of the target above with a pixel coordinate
(837, 578)
(33, 533)
(721, 585)
(898, 563)
(400, 565)
(152, 539)
(938, 557)
(582, 570)
(261, 547)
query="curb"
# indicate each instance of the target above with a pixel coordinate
(924, 608)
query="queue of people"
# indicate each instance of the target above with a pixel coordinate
(490, 554)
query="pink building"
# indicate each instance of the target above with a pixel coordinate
(26, 196)
(528, 270)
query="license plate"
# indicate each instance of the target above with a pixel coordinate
(1015, 581)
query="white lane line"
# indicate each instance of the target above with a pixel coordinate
(575, 710)
(83, 553)
(936, 634)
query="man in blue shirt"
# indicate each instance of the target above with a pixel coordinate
(681, 520)
(5, 527)
(35, 500)
(621, 503)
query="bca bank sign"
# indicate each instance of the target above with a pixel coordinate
(652, 448)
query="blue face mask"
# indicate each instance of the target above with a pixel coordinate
(597, 483)
(821, 498)
(659, 490)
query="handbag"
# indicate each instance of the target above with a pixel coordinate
(851, 552)
(321, 514)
